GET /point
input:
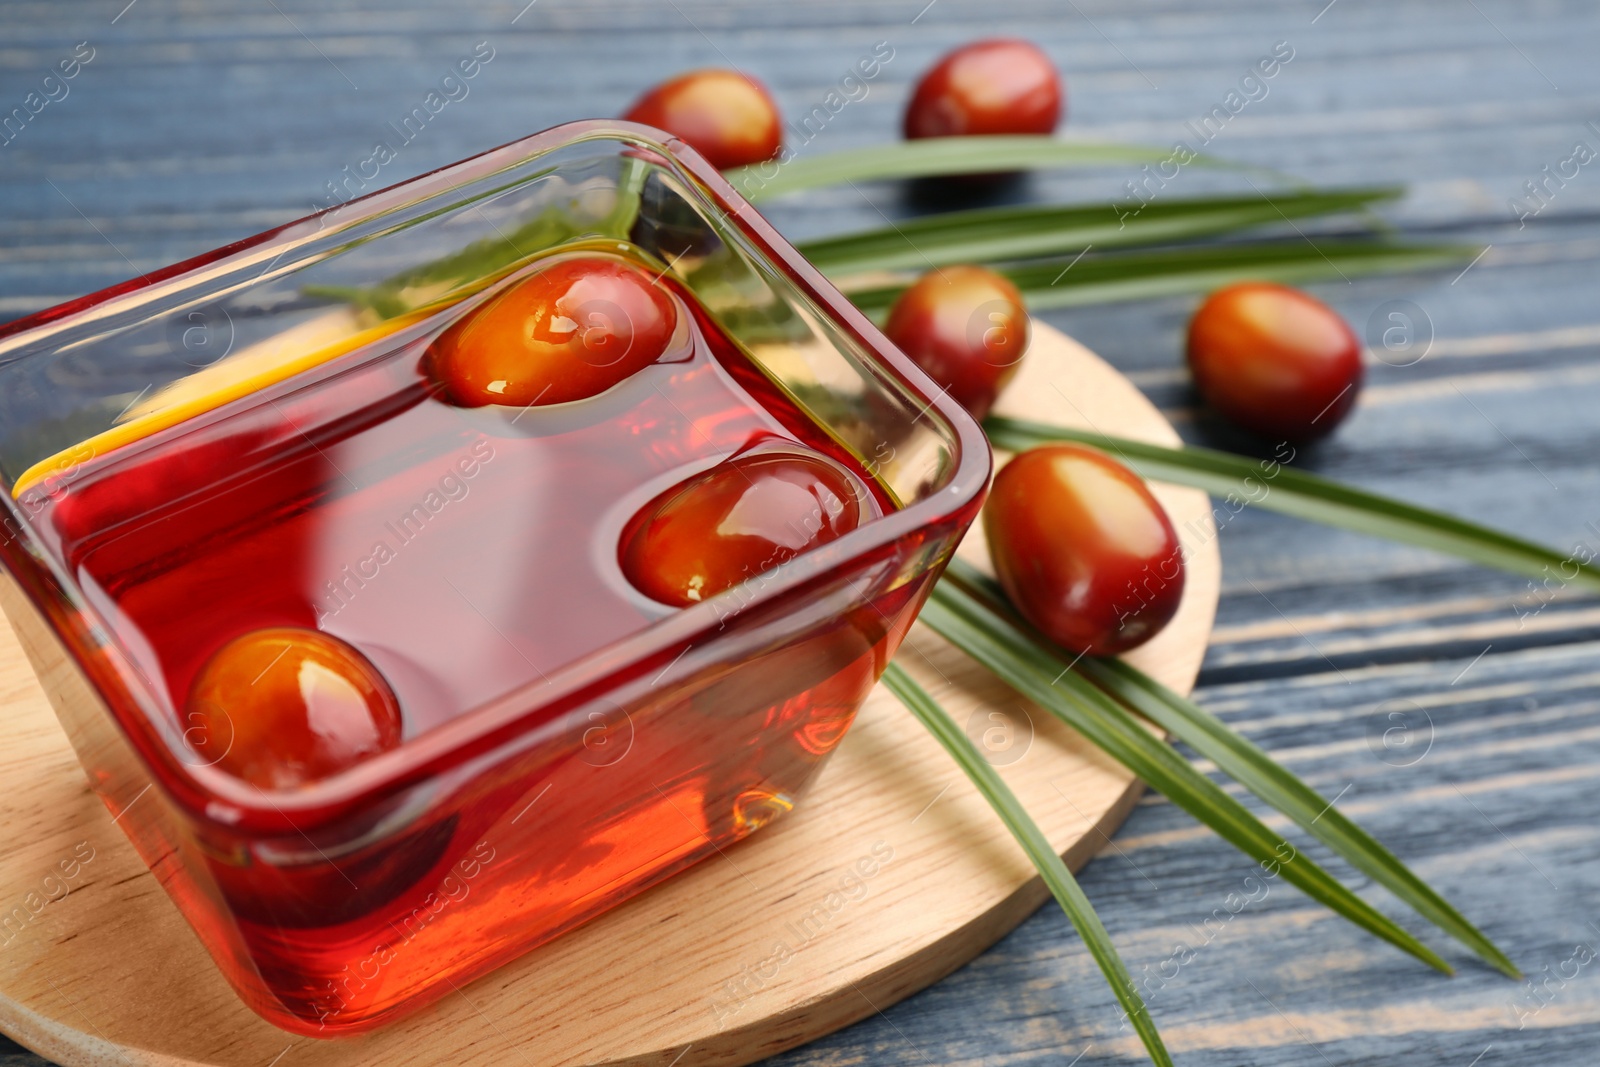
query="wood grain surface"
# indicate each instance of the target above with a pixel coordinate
(196, 124)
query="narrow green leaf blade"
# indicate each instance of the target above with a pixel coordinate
(987, 235)
(1038, 673)
(1095, 279)
(1271, 485)
(1051, 869)
(1252, 768)
(1256, 771)
(936, 156)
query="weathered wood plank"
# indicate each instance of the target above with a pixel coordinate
(200, 123)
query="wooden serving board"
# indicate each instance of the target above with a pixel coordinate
(891, 873)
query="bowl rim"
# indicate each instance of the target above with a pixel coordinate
(212, 796)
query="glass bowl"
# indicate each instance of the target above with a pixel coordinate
(158, 422)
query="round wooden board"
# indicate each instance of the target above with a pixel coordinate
(778, 941)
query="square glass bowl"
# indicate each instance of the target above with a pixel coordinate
(190, 457)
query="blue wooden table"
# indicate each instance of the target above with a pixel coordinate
(1455, 711)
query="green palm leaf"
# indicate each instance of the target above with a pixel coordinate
(989, 235)
(950, 155)
(1097, 279)
(1275, 487)
(1051, 869)
(1038, 672)
(1251, 767)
